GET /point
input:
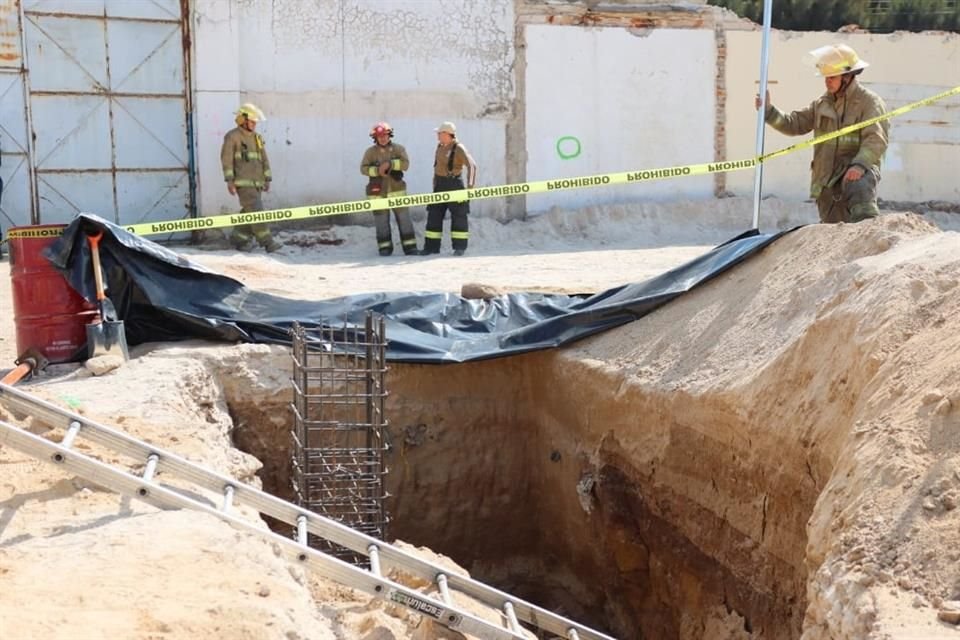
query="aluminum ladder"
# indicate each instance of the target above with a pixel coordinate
(381, 555)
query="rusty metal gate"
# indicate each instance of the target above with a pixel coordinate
(106, 94)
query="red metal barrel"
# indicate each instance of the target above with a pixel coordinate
(49, 315)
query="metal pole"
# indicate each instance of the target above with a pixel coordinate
(764, 60)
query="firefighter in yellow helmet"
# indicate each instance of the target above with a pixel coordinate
(845, 171)
(384, 163)
(246, 170)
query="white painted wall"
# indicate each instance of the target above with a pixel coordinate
(634, 100)
(325, 70)
(923, 158)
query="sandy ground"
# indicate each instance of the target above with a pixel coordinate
(51, 519)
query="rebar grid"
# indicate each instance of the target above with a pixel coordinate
(339, 426)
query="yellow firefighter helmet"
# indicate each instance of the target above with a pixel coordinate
(249, 111)
(835, 60)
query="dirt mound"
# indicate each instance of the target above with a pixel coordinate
(826, 372)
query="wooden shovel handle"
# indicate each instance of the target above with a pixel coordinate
(97, 275)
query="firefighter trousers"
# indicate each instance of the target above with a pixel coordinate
(250, 201)
(408, 237)
(849, 201)
(436, 212)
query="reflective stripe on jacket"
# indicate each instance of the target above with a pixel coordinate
(396, 155)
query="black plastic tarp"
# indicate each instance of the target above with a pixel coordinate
(162, 296)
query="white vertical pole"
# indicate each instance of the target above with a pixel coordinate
(764, 59)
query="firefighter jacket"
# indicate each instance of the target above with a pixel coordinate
(827, 114)
(396, 155)
(451, 160)
(244, 159)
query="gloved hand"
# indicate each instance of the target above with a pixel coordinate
(854, 173)
(756, 101)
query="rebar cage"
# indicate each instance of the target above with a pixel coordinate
(339, 426)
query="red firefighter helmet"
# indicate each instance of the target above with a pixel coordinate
(381, 128)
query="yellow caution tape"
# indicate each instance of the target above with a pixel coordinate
(860, 125)
(505, 190)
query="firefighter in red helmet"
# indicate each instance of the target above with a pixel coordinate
(383, 164)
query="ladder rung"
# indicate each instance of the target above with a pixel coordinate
(572, 634)
(68, 439)
(512, 623)
(148, 472)
(444, 588)
(373, 551)
(302, 529)
(228, 492)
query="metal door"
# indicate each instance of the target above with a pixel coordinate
(109, 107)
(15, 200)
(15, 193)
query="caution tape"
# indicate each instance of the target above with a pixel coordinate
(860, 125)
(502, 191)
(460, 195)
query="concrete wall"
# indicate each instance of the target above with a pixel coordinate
(617, 95)
(325, 70)
(924, 154)
(519, 75)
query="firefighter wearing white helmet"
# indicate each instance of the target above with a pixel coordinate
(383, 164)
(246, 170)
(453, 169)
(845, 171)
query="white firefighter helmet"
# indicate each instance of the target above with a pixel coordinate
(250, 111)
(835, 60)
(447, 127)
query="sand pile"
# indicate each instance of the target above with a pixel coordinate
(797, 421)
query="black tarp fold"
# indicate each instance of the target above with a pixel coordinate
(162, 296)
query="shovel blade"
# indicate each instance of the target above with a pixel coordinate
(107, 339)
(107, 311)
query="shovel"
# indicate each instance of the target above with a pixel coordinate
(105, 337)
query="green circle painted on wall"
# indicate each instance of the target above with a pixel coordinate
(568, 147)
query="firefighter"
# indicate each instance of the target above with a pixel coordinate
(452, 160)
(246, 170)
(384, 163)
(845, 171)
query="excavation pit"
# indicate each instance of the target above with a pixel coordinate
(514, 469)
(675, 478)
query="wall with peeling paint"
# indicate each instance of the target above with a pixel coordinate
(924, 152)
(518, 76)
(325, 70)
